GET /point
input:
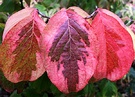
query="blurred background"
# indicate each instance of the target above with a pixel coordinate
(42, 87)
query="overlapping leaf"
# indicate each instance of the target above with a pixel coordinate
(115, 46)
(132, 27)
(19, 52)
(68, 56)
(81, 12)
(133, 37)
(9, 86)
(69, 48)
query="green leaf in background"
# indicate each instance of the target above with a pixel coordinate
(45, 95)
(132, 86)
(54, 89)
(48, 7)
(109, 90)
(57, 93)
(15, 94)
(10, 6)
(42, 87)
(131, 78)
(64, 3)
(50, 3)
(89, 90)
(9, 3)
(42, 84)
(3, 17)
(9, 86)
(132, 73)
(91, 8)
(29, 92)
(41, 8)
(104, 4)
(2, 25)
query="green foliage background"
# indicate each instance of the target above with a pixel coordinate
(42, 87)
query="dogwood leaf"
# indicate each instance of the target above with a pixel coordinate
(19, 52)
(68, 57)
(9, 86)
(115, 47)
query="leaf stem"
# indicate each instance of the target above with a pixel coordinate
(44, 16)
(21, 1)
(93, 14)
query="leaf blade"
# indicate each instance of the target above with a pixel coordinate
(69, 60)
(115, 46)
(19, 52)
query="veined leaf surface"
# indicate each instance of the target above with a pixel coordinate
(115, 47)
(68, 56)
(9, 86)
(20, 57)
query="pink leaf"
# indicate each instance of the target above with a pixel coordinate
(19, 53)
(115, 46)
(68, 56)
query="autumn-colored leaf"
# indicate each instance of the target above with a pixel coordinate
(81, 12)
(115, 47)
(19, 52)
(133, 37)
(132, 27)
(9, 86)
(67, 52)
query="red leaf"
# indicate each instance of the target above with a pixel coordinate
(81, 12)
(9, 86)
(115, 46)
(19, 53)
(68, 57)
(133, 37)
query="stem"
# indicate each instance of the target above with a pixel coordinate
(93, 14)
(44, 16)
(21, 4)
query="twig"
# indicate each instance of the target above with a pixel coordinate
(93, 14)
(44, 16)
(21, 1)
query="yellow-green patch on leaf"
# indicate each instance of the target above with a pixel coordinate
(19, 52)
